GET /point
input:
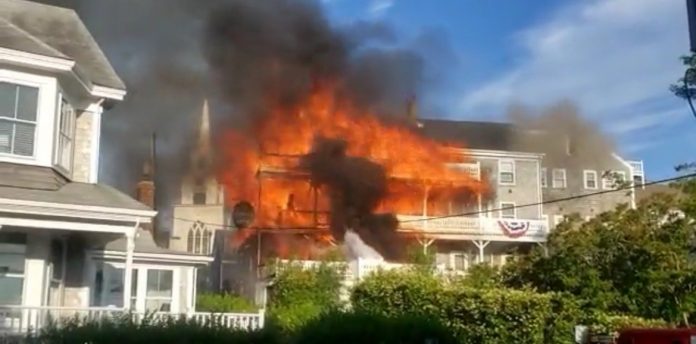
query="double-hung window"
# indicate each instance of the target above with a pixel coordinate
(18, 119)
(12, 256)
(590, 179)
(544, 177)
(158, 296)
(507, 210)
(506, 172)
(613, 179)
(559, 178)
(66, 135)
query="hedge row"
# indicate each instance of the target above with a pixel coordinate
(335, 328)
(476, 315)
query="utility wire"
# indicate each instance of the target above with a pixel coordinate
(557, 200)
(477, 212)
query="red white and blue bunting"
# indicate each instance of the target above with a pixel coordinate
(514, 229)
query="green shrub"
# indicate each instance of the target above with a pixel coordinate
(299, 294)
(123, 330)
(474, 315)
(223, 303)
(604, 323)
(351, 328)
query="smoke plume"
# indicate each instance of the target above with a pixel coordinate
(246, 56)
(270, 54)
(566, 139)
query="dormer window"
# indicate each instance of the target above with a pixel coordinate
(66, 135)
(18, 119)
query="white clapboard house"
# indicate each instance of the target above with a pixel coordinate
(68, 244)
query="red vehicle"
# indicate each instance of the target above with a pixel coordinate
(658, 336)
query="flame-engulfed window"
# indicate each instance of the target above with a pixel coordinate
(199, 239)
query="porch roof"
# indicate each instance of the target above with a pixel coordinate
(145, 244)
(43, 184)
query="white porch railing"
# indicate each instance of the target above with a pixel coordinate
(23, 320)
(478, 228)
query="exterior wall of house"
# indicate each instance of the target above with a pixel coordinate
(86, 146)
(586, 207)
(185, 217)
(524, 190)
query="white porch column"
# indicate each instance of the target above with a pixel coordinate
(35, 286)
(426, 242)
(128, 271)
(481, 246)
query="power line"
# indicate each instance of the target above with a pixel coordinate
(477, 212)
(557, 200)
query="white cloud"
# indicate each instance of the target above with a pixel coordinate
(614, 58)
(379, 7)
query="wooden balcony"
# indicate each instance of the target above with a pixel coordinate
(476, 228)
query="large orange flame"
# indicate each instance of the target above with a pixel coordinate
(261, 165)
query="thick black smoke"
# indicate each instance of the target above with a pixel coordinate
(270, 54)
(356, 186)
(246, 56)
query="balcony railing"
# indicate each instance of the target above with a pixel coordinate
(25, 320)
(478, 227)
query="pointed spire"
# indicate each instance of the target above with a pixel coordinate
(204, 129)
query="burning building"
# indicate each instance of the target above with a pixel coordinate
(319, 141)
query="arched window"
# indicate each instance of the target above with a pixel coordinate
(195, 238)
(205, 249)
(189, 241)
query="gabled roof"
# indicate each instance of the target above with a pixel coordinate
(55, 32)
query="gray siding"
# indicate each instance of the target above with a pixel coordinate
(525, 190)
(587, 206)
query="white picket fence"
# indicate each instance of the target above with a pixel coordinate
(25, 320)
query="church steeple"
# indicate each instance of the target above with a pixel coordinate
(146, 185)
(204, 129)
(201, 157)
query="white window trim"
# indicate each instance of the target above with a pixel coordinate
(500, 171)
(585, 179)
(45, 117)
(544, 177)
(504, 205)
(452, 258)
(553, 178)
(65, 170)
(142, 281)
(608, 182)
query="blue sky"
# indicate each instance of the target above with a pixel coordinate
(614, 58)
